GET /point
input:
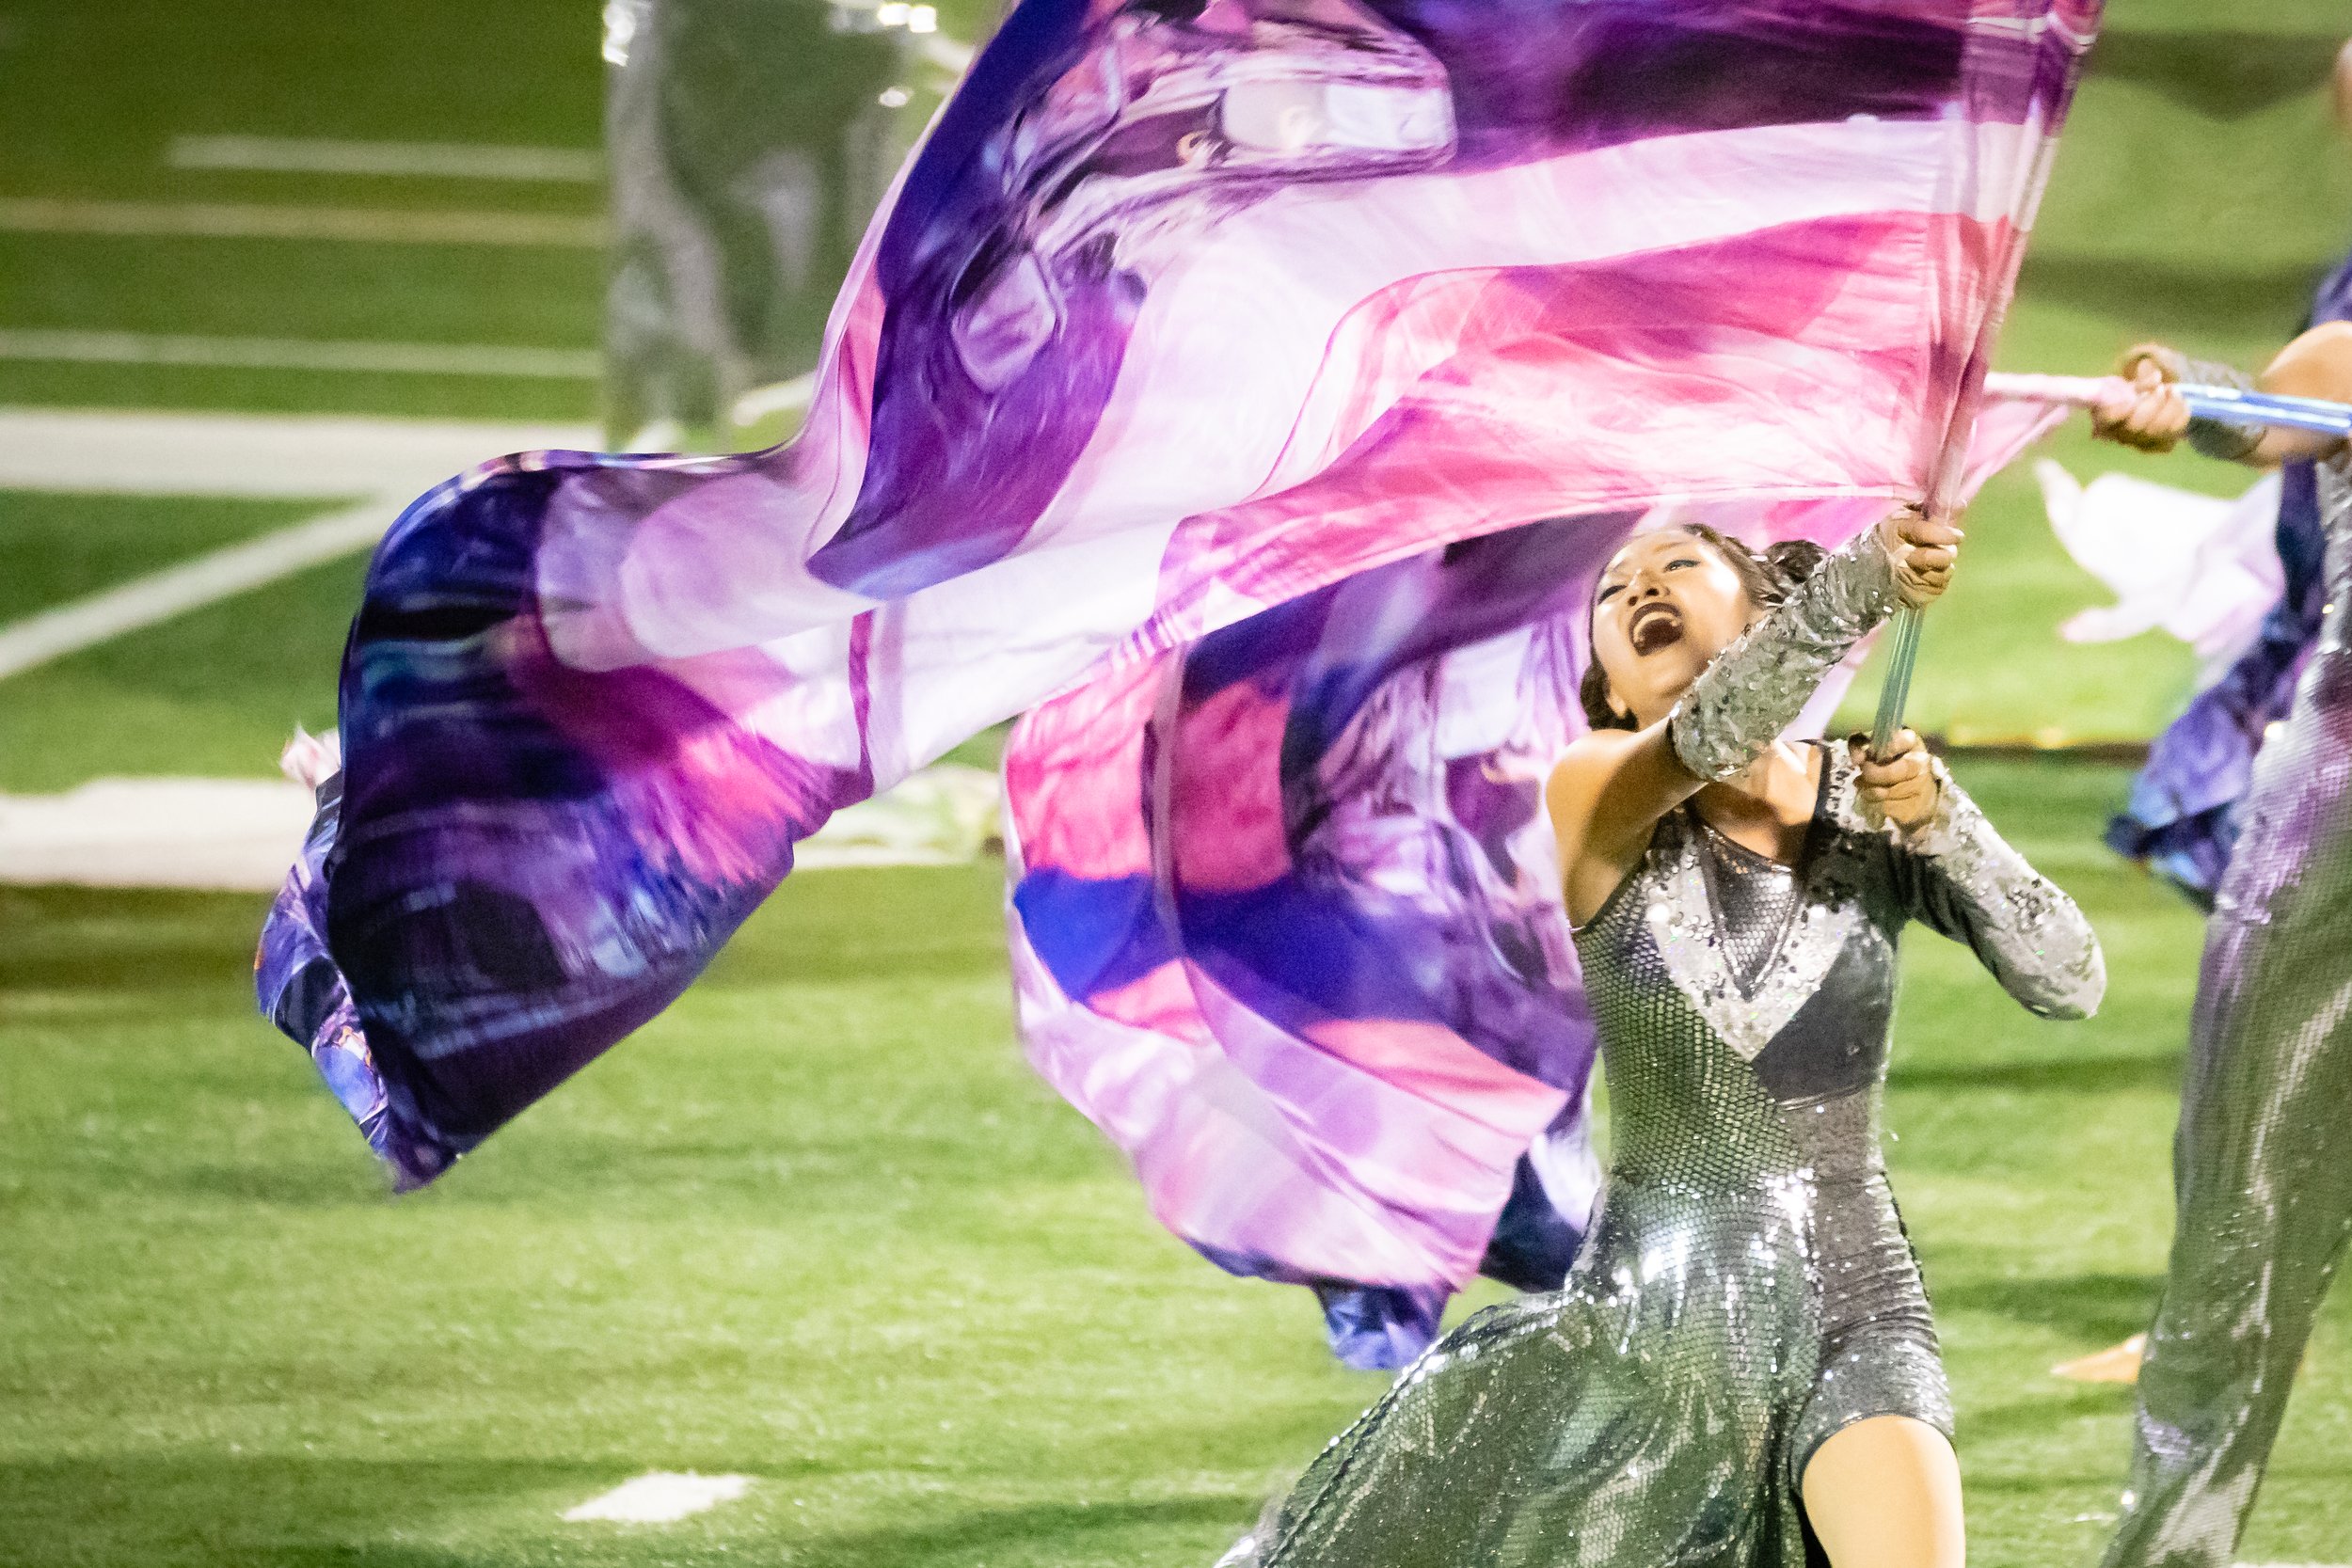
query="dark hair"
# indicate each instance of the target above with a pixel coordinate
(1768, 575)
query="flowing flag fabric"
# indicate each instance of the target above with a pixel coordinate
(1256, 381)
(1285, 917)
(2197, 568)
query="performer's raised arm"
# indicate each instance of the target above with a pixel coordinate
(1703, 654)
(2318, 364)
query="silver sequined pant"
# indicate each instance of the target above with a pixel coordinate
(2262, 1167)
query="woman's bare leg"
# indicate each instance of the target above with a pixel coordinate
(1884, 1493)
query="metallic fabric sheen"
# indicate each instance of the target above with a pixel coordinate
(2023, 931)
(1755, 688)
(1748, 1290)
(2263, 1178)
(2219, 438)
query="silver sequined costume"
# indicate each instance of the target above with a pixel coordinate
(2262, 1166)
(1748, 1289)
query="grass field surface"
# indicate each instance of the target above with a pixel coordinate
(820, 1226)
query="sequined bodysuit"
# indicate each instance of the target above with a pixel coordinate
(1748, 1290)
(2262, 1170)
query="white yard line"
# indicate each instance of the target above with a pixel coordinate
(247, 221)
(660, 1497)
(240, 834)
(300, 353)
(257, 455)
(192, 584)
(390, 461)
(230, 835)
(575, 165)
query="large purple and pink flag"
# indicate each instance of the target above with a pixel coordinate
(1249, 389)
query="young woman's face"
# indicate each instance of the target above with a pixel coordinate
(1664, 607)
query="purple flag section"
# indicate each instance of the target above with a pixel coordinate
(1181, 313)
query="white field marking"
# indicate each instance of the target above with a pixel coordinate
(388, 461)
(300, 353)
(944, 814)
(247, 221)
(573, 165)
(782, 397)
(238, 835)
(256, 455)
(160, 596)
(657, 437)
(228, 835)
(662, 1496)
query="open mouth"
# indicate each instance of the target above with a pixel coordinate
(1655, 625)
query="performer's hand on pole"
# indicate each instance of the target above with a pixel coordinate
(2155, 419)
(1899, 786)
(1924, 549)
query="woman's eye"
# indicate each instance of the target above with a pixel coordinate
(1679, 562)
(1610, 591)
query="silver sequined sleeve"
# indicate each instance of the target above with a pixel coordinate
(1962, 878)
(1754, 689)
(2231, 443)
(2212, 372)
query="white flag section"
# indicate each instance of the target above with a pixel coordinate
(2200, 568)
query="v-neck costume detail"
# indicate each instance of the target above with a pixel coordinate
(1747, 969)
(1753, 896)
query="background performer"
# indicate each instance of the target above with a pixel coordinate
(2262, 1183)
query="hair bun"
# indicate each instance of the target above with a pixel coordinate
(1794, 559)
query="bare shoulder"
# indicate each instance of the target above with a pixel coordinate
(1605, 796)
(1584, 770)
(2318, 364)
(1607, 790)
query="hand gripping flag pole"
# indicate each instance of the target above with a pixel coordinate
(1946, 490)
(2228, 404)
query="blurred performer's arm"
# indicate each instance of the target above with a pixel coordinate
(2318, 364)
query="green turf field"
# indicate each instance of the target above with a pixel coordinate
(820, 1226)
